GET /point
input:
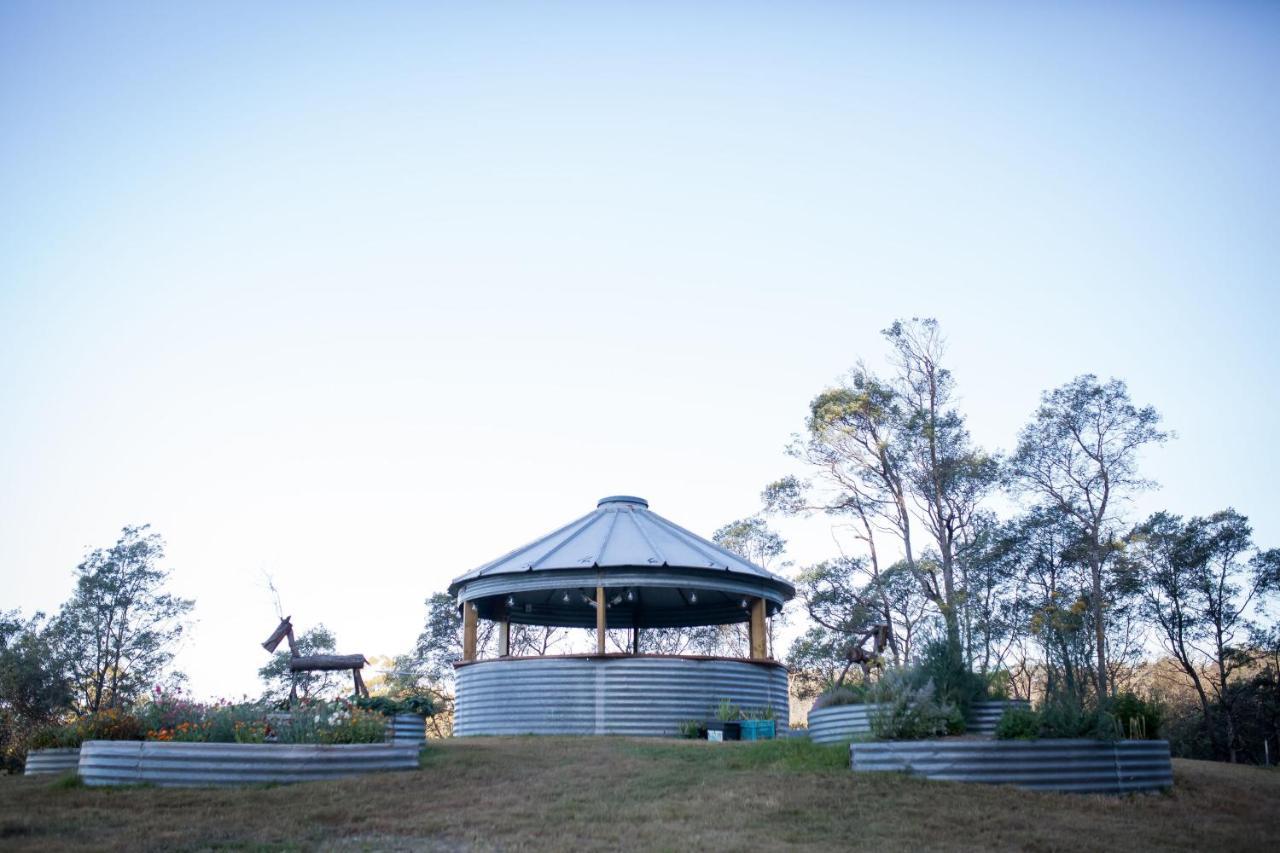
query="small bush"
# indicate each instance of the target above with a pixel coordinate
(55, 737)
(726, 711)
(691, 729)
(953, 682)
(1067, 717)
(907, 712)
(421, 705)
(1135, 718)
(1018, 724)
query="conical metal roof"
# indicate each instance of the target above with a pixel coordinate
(656, 573)
(622, 532)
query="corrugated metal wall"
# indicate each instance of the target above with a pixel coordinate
(841, 722)
(985, 716)
(1085, 766)
(42, 762)
(620, 696)
(406, 728)
(105, 762)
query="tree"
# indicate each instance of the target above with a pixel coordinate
(890, 451)
(989, 576)
(949, 476)
(1198, 591)
(1050, 603)
(751, 539)
(1079, 454)
(34, 686)
(33, 679)
(119, 629)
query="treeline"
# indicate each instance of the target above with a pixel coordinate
(1070, 599)
(107, 646)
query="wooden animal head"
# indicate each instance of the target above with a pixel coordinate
(284, 629)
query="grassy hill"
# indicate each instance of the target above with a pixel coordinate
(609, 793)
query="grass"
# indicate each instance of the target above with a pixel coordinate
(608, 793)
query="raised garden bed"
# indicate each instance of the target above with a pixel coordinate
(48, 762)
(1084, 766)
(178, 764)
(407, 729)
(842, 722)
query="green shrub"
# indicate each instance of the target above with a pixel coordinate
(727, 711)
(691, 729)
(1066, 716)
(1135, 718)
(953, 682)
(421, 705)
(908, 712)
(1018, 724)
(55, 737)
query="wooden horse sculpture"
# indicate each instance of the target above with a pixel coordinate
(856, 654)
(314, 663)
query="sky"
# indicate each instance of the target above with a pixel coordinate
(361, 296)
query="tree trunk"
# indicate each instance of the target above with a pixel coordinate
(1099, 627)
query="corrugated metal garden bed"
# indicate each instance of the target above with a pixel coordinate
(104, 762)
(842, 722)
(1084, 766)
(48, 762)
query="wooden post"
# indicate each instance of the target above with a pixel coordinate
(502, 615)
(469, 618)
(759, 650)
(635, 641)
(601, 607)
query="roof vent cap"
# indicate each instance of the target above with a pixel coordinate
(623, 499)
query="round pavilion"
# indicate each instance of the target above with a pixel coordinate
(621, 566)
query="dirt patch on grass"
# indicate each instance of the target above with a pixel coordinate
(611, 793)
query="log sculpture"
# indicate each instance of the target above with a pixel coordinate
(856, 654)
(314, 663)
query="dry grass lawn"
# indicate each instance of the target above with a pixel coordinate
(616, 793)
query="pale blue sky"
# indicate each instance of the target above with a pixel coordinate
(371, 293)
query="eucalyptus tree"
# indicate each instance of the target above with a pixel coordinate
(1079, 454)
(891, 453)
(1199, 590)
(120, 628)
(752, 539)
(1047, 597)
(991, 579)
